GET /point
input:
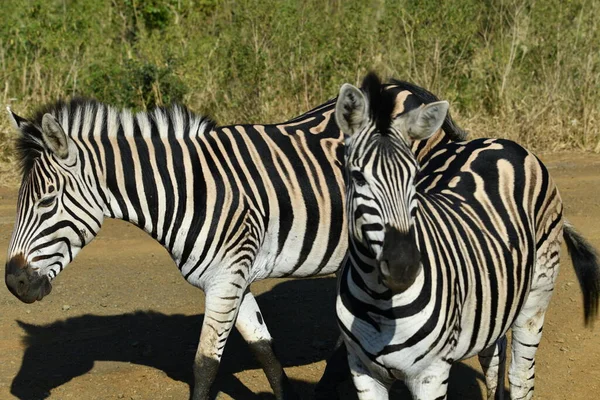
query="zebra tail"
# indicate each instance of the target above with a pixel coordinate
(587, 267)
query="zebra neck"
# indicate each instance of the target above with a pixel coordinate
(147, 181)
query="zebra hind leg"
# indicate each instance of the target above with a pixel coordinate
(253, 329)
(493, 363)
(222, 303)
(527, 328)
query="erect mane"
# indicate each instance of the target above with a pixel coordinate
(381, 102)
(30, 144)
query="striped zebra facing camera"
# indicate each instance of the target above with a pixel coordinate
(447, 251)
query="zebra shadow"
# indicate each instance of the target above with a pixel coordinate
(305, 332)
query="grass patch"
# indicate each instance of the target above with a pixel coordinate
(525, 70)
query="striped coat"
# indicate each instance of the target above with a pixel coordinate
(447, 252)
(231, 204)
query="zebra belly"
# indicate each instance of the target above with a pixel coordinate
(299, 256)
(324, 256)
(471, 339)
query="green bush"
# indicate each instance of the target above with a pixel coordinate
(525, 70)
(134, 84)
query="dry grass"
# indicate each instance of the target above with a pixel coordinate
(525, 70)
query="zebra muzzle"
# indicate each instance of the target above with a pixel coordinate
(25, 283)
(400, 260)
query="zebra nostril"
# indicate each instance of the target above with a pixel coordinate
(385, 268)
(22, 286)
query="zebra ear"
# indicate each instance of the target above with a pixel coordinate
(351, 109)
(54, 136)
(16, 121)
(423, 122)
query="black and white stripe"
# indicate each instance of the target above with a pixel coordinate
(447, 251)
(232, 204)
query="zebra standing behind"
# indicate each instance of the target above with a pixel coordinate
(231, 204)
(447, 252)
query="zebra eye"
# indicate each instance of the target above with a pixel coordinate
(359, 178)
(47, 201)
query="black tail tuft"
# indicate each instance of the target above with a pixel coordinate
(587, 267)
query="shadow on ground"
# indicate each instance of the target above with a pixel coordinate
(299, 313)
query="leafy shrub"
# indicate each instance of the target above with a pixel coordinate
(521, 69)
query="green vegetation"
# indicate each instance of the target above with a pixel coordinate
(528, 70)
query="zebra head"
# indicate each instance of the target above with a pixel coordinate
(381, 170)
(58, 211)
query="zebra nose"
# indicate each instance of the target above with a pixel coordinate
(400, 259)
(22, 281)
(16, 275)
(400, 248)
(16, 265)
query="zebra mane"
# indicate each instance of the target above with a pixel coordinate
(425, 96)
(382, 103)
(30, 144)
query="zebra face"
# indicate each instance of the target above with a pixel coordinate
(381, 170)
(56, 214)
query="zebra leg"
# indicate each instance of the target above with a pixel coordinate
(336, 371)
(222, 303)
(527, 328)
(526, 336)
(493, 362)
(367, 387)
(254, 330)
(432, 383)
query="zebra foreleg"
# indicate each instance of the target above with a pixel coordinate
(432, 383)
(222, 304)
(253, 329)
(336, 371)
(367, 387)
(493, 363)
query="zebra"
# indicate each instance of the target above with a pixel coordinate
(231, 204)
(446, 252)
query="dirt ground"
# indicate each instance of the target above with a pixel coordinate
(121, 322)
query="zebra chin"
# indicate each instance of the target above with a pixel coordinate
(398, 282)
(24, 282)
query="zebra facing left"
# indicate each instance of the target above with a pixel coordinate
(446, 252)
(231, 204)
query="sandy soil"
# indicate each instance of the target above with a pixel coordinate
(121, 323)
